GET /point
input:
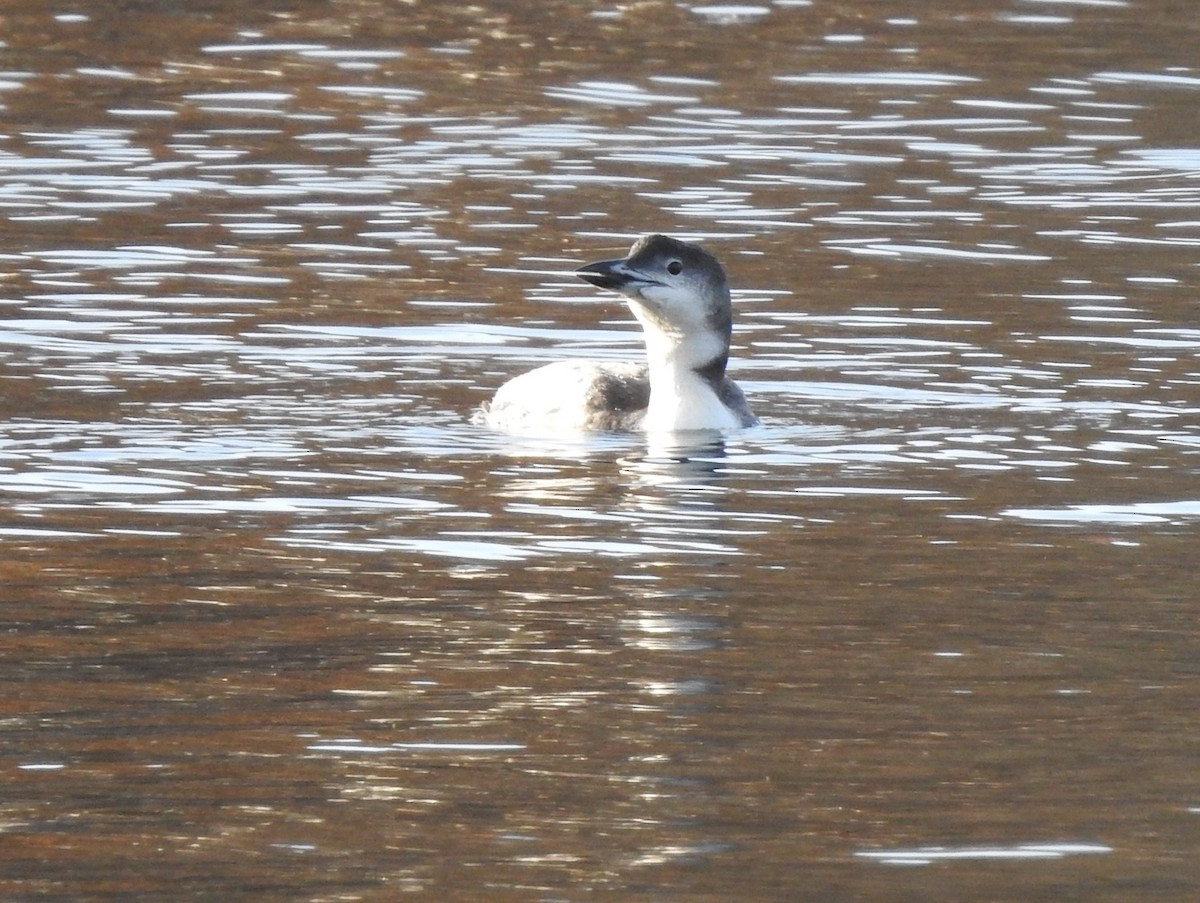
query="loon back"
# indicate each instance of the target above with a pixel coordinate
(571, 396)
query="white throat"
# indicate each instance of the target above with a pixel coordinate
(681, 399)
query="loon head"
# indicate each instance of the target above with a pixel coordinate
(679, 293)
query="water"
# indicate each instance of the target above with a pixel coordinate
(283, 624)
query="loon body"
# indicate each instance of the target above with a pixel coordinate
(679, 294)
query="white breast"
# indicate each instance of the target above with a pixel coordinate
(681, 400)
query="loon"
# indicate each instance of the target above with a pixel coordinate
(679, 294)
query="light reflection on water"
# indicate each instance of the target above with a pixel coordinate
(270, 587)
(928, 855)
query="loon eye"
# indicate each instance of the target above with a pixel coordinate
(674, 267)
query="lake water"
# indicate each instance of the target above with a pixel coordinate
(282, 624)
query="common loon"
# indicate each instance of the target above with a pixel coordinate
(679, 294)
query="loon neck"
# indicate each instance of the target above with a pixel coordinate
(686, 375)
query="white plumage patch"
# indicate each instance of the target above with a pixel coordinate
(570, 396)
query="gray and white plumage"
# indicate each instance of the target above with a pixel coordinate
(680, 295)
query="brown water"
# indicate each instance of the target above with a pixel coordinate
(280, 623)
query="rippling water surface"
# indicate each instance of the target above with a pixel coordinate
(283, 624)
